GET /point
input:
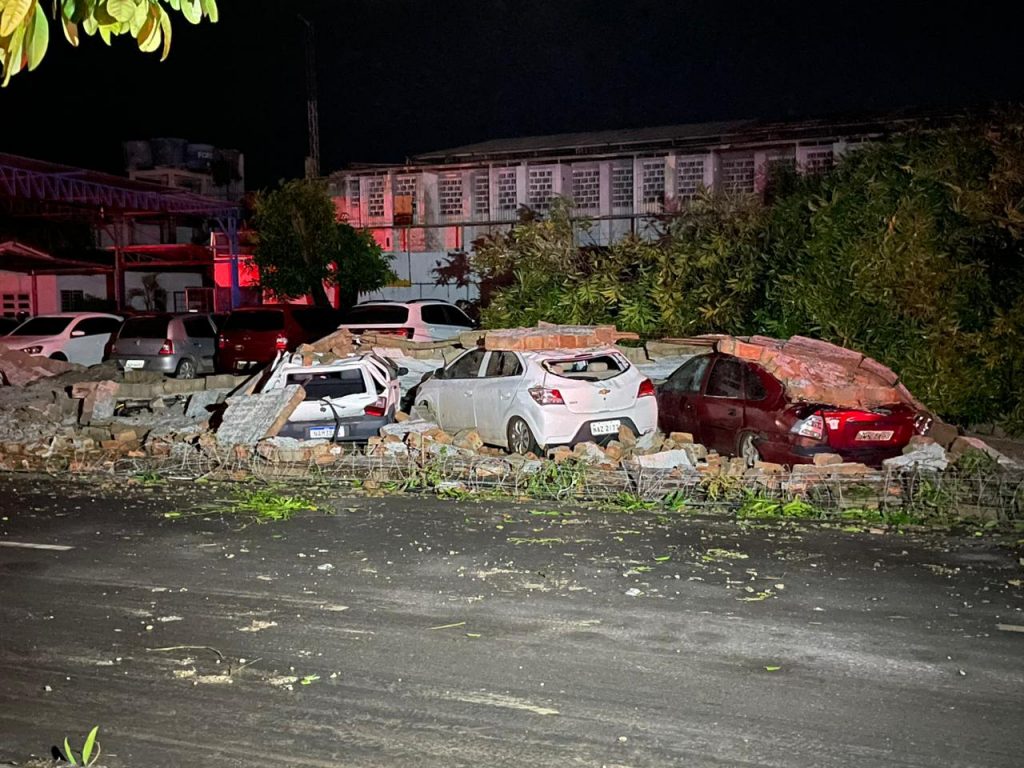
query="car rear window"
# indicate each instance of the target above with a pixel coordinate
(144, 328)
(587, 367)
(316, 320)
(377, 315)
(321, 384)
(255, 320)
(42, 326)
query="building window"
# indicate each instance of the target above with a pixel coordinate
(482, 194)
(689, 177)
(71, 301)
(508, 198)
(449, 195)
(738, 174)
(586, 188)
(653, 181)
(818, 160)
(353, 194)
(541, 188)
(375, 197)
(405, 187)
(622, 186)
(13, 303)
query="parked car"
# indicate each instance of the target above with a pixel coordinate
(179, 344)
(531, 401)
(417, 320)
(737, 408)
(77, 337)
(348, 400)
(251, 337)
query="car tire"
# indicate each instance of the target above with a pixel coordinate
(520, 438)
(59, 356)
(746, 449)
(186, 369)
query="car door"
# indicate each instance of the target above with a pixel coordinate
(720, 410)
(89, 337)
(678, 397)
(201, 339)
(456, 391)
(495, 393)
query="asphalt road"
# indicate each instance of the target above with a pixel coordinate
(440, 633)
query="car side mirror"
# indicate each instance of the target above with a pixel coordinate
(77, 334)
(402, 371)
(439, 373)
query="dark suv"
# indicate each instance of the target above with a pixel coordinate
(251, 337)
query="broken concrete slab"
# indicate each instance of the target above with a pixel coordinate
(664, 460)
(924, 456)
(404, 428)
(249, 419)
(551, 336)
(99, 398)
(200, 402)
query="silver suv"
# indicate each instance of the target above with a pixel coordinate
(182, 345)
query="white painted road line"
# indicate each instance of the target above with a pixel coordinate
(29, 545)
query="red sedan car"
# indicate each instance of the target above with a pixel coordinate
(737, 408)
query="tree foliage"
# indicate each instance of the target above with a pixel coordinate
(911, 250)
(25, 27)
(301, 246)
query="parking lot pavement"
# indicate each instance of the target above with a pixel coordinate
(408, 631)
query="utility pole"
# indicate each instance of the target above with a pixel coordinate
(312, 113)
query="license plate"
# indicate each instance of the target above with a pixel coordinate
(134, 365)
(605, 427)
(324, 433)
(879, 434)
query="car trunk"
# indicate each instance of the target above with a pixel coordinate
(591, 383)
(859, 430)
(143, 336)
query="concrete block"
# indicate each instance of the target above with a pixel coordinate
(200, 402)
(664, 460)
(249, 419)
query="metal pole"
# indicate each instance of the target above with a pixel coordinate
(236, 289)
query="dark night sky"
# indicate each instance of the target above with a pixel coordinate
(401, 77)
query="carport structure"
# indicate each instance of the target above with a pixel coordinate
(41, 189)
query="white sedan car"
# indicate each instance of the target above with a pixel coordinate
(531, 401)
(76, 337)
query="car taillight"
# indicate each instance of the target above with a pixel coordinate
(377, 408)
(281, 343)
(405, 333)
(545, 396)
(167, 348)
(813, 426)
(646, 389)
(222, 343)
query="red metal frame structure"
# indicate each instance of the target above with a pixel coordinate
(41, 188)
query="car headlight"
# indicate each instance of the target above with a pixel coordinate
(32, 350)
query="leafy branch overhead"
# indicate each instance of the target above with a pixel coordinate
(25, 25)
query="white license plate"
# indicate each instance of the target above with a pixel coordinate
(134, 365)
(878, 434)
(605, 427)
(324, 433)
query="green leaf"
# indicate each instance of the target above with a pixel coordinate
(90, 742)
(192, 11)
(165, 28)
(121, 10)
(39, 39)
(69, 755)
(772, 669)
(70, 31)
(210, 9)
(14, 15)
(12, 65)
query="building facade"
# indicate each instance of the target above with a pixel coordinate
(624, 182)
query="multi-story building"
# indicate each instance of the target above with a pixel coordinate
(624, 181)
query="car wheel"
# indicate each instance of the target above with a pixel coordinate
(747, 450)
(186, 370)
(59, 356)
(520, 438)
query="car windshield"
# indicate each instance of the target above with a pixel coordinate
(144, 328)
(255, 320)
(42, 326)
(377, 314)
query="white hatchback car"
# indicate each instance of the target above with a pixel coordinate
(77, 337)
(531, 401)
(347, 400)
(416, 320)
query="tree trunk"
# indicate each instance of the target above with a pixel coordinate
(319, 295)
